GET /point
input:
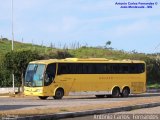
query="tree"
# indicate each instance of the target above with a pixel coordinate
(108, 43)
(153, 71)
(5, 77)
(16, 62)
(60, 54)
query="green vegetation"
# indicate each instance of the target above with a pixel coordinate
(156, 85)
(17, 60)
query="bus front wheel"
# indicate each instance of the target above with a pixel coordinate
(115, 92)
(58, 94)
(43, 97)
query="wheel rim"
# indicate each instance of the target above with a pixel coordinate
(115, 93)
(125, 92)
(59, 94)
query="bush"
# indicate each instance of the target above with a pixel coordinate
(153, 71)
(59, 54)
(16, 62)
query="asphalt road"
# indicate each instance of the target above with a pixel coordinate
(11, 103)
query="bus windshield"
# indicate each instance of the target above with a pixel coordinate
(34, 75)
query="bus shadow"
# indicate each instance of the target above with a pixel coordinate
(130, 96)
(109, 97)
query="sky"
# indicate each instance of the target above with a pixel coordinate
(87, 22)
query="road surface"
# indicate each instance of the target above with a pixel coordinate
(11, 103)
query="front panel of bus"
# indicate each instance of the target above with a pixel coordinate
(38, 77)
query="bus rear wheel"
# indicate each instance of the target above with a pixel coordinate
(125, 92)
(59, 94)
(115, 92)
(43, 97)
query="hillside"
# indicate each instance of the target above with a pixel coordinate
(6, 46)
(153, 64)
(82, 52)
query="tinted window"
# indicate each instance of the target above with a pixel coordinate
(100, 68)
(50, 74)
(124, 68)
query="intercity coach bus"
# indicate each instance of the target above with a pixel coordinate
(92, 76)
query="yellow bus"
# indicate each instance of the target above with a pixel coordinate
(92, 76)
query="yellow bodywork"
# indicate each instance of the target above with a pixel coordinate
(89, 83)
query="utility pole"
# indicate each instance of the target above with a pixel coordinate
(12, 49)
(12, 28)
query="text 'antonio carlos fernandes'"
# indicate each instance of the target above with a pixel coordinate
(134, 3)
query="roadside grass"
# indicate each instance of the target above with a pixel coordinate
(155, 86)
(4, 94)
(63, 110)
(16, 94)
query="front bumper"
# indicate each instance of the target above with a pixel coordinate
(33, 91)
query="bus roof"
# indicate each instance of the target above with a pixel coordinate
(85, 60)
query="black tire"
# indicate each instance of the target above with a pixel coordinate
(59, 94)
(125, 92)
(109, 96)
(100, 96)
(43, 97)
(115, 92)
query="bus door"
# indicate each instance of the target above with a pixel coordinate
(65, 76)
(50, 74)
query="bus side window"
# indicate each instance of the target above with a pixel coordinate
(124, 68)
(85, 69)
(137, 68)
(140, 68)
(92, 68)
(107, 68)
(62, 69)
(78, 68)
(99, 68)
(71, 68)
(67, 68)
(134, 68)
(89, 68)
(50, 74)
(115, 68)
